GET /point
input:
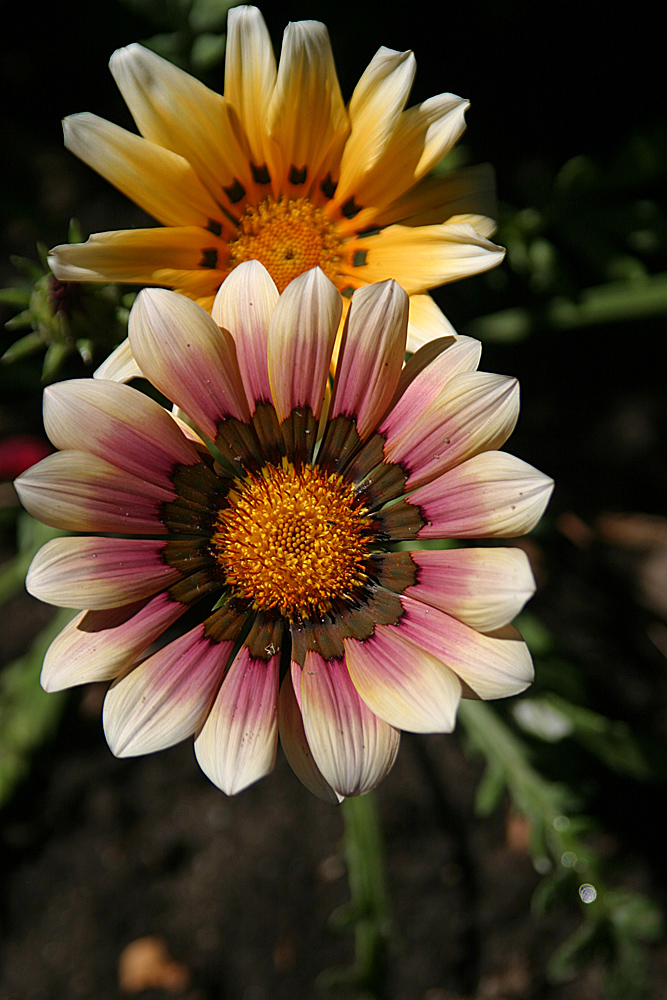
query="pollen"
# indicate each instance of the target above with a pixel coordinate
(288, 236)
(293, 540)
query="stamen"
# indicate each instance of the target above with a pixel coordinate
(288, 236)
(293, 540)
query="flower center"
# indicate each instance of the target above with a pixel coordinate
(288, 237)
(294, 540)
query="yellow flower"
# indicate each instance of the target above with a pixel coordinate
(281, 171)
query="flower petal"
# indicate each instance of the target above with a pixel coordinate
(351, 746)
(375, 109)
(372, 355)
(111, 420)
(427, 373)
(176, 111)
(250, 76)
(185, 354)
(166, 697)
(493, 666)
(295, 745)
(244, 306)
(98, 573)
(145, 256)
(237, 743)
(99, 645)
(77, 491)
(423, 135)
(476, 411)
(485, 588)
(426, 322)
(492, 495)
(159, 181)
(301, 337)
(436, 199)
(402, 683)
(120, 366)
(306, 90)
(426, 256)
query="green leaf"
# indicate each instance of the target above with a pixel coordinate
(507, 326)
(207, 51)
(54, 359)
(15, 296)
(23, 348)
(28, 716)
(209, 15)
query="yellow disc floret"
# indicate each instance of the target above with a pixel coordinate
(293, 540)
(288, 236)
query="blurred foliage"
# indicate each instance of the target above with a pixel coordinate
(367, 913)
(28, 716)
(564, 842)
(589, 248)
(64, 318)
(191, 32)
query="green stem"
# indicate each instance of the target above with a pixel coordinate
(368, 909)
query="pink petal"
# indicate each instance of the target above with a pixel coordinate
(475, 412)
(119, 424)
(98, 573)
(301, 338)
(372, 355)
(187, 357)
(99, 645)
(167, 697)
(295, 744)
(402, 683)
(351, 746)
(492, 495)
(494, 666)
(237, 744)
(426, 375)
(243, 306)
(77, 491)
(483, 587)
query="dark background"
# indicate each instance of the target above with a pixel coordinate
(97, 852)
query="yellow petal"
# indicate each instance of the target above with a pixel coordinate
(250, 76)
(423, 135)
(426, 256)
(377, 103)
(436, 199)
(176, 111)
(426, 322)
(159, 181)
(306, 116)
(135, 255)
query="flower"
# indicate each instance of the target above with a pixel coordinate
(280, 171)
(283, 532)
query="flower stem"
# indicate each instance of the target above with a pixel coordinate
(368, 909)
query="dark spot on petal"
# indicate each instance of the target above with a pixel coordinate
(209, 258)
(235, 191)
(214, 227)
(359, 258)
(261, 174)
(350, 208)
(297, 176)
(328, 186)
(368, 232)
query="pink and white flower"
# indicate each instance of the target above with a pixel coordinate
(282, 529)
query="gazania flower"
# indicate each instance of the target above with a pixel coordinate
(279, 541)
(281, 171)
